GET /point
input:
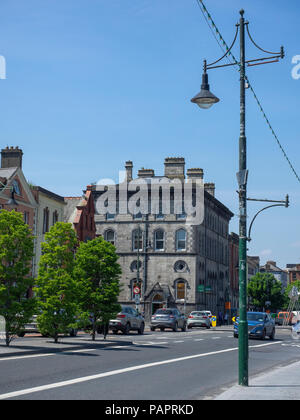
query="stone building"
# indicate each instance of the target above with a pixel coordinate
(280, 274)
(174, 263)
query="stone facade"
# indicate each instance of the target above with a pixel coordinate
(174, 263)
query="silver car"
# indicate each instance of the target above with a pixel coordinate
(168, 318)
(127, 320)
(198, 319)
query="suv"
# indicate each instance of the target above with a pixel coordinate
(126, 320)
(168, 318)
(260, 324)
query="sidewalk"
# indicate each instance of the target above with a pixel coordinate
(282, 383)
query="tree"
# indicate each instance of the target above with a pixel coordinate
(97, 273)
(287, 291)
(264, 287)
(16, 252)
(56, 287)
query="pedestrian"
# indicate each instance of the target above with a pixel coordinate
(220, 318)
(226, 319)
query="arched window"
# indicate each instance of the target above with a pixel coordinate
(137, 240)
(159, 240)
(181, 240)
(109, 236)
(180, 289)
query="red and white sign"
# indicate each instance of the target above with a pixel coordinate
(136, 290)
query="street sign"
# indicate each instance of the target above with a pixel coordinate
(213, 321)
(136, 290)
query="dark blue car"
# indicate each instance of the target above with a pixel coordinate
(260, 325)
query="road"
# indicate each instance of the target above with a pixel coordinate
(191, 365)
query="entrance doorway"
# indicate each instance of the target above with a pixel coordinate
(157, 303)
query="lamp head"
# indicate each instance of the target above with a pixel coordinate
(205, 99)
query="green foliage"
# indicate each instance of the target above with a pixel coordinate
(16, 252)
(265, 287)
(97, 273)
(56, 287)
(287, 291)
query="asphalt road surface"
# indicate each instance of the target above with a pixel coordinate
(191, 365)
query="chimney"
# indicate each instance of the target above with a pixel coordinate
(195, 173)
(146, 173)
(11, 157)
(128, 168)
(174, 167)
(210, 188)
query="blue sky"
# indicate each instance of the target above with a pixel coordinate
(93, 83)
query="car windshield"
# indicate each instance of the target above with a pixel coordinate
(164, 312)
(255, 317)
(199, 314)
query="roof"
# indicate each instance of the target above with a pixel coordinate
(70, 209)
(49, 193)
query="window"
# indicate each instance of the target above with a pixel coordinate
(16, 186)
(134, 265)
(26, 217)
(55, 217)
(180, 289)
(46, 220)
(181, 240)
(180, 266)
(137, 240)
(110, 236)
(159, 240)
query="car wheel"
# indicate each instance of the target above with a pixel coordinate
(141, 329)
(263, 335)
(126, 329)
(115, 331)
(183, 328)
(162, 328)
(189, 327)
(272, 336)
(152, 328)
(175, 327)
(21, 334)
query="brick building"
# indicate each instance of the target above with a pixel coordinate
(80, 211)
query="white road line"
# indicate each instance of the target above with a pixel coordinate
(179, 341)
(198, 339)
(118, 372)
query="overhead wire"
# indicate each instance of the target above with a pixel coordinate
(223, 45)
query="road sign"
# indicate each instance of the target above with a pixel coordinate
(213, 321)
(136, 290)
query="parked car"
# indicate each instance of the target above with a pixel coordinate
(168, 318)
(209, 314)
(31, 327)
(127, 320)
(198, 319)
(260, 324)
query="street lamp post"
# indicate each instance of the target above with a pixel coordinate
(205, 99)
